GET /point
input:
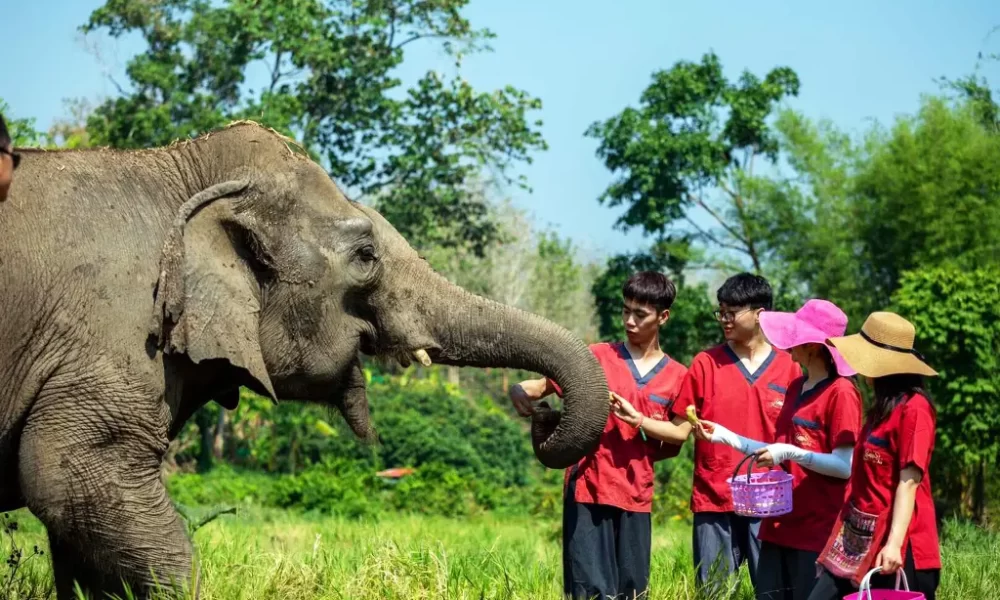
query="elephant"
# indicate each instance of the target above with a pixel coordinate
(138, 285)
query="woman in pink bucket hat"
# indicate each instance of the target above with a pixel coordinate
(816, 432)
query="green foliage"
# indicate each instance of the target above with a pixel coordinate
(694, 132)
(957, 317)
(333, 85)
(425, 421)
(420, 421)
(531, 269)
(337, 487)
(557, 288)
(273, 554)
(922, 195)
(22, 130)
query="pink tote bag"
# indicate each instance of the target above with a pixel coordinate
(865, 592)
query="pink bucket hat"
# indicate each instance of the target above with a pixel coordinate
(816, 321)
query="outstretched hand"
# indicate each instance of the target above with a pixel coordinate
(624, 410)
(522, 403)
(704, 430)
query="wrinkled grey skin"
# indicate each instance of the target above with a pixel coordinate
(137, 286)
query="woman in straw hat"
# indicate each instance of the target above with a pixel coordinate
(816, 431)
(888, 521)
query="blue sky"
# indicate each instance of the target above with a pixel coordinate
(857, 61)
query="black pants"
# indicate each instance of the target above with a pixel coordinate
(722, 541)
(785, 573)
(924, 581)
(605, 551)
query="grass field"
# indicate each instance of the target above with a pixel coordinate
(278, 555)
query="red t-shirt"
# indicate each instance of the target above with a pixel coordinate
(721, 390)
(821, 419)
(905, 437)
(620, 472)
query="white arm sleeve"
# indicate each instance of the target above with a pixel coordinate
(837, 464)
(722, 435)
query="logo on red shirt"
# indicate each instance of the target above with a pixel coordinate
(873, 457)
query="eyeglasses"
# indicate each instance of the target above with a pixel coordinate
(13, 155)
(728, 316)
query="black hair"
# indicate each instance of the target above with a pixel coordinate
(650, 287)
(893, 390)
(831, 367)
(4, 134)
(746, 289)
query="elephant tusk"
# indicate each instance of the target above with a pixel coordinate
(422, 356)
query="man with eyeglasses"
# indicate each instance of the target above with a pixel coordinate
(8, 160)
(741, 382)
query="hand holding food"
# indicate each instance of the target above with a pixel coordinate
(692, 416)
(624, 410)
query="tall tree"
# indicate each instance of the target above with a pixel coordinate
(332, 82)
(957, 317)
(689, 150)
(924, 193)
(560, 286)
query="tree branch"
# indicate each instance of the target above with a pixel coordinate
(751, 248)
(710, 237)
(276, 71)
(392, 24)
(720, 220)
(419, 36)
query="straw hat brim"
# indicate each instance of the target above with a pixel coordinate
(871, 361)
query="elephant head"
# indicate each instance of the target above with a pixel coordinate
(270, 268)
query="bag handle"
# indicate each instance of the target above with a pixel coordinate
(866, 583)
(749, 467)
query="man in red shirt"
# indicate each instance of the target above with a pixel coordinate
(608, 495)
(740, 384)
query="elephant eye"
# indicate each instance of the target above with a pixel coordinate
(367, 253)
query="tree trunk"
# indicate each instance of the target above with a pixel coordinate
(205, 427)
(219, 434)
(979, 498)
(504, 381)
(453, 376)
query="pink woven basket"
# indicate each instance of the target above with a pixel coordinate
(867, 593)
(767, 494)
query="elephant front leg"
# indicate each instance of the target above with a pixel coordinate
(98, 491)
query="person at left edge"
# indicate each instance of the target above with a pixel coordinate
(608, 495)
(9, 160)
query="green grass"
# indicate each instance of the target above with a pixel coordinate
(274, 554)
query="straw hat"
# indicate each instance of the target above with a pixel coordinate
(883, 347)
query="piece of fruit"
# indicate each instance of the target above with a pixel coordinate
(692, 417)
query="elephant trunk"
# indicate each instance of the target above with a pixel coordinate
(468, 330)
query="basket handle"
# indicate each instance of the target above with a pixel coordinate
(866, 583)
(865, 588)
(749, 467)
(906, 584)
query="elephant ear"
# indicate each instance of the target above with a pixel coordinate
(205, 305)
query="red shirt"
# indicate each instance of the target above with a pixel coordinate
(821, 419)
(721, 390)
(620, 472)
(905, 437)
